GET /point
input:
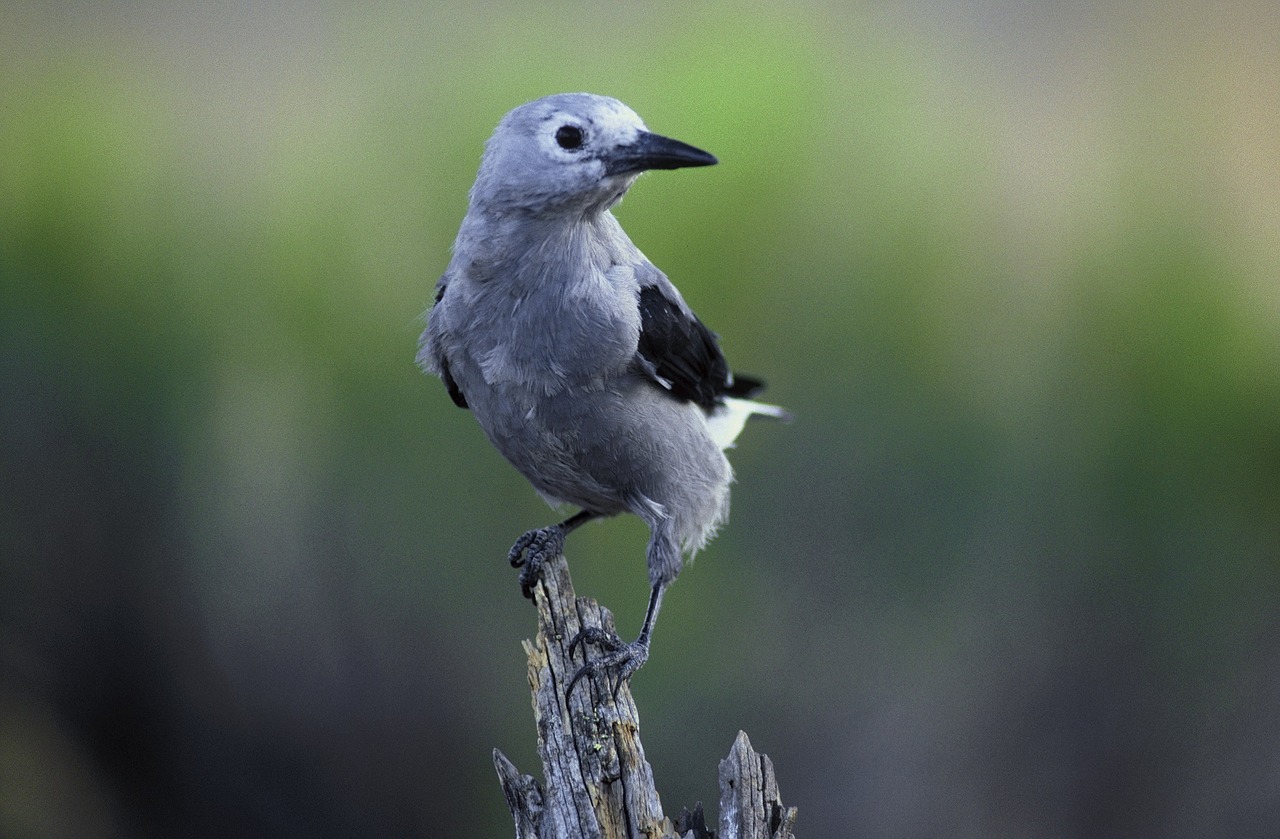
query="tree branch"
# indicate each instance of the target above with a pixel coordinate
(597, 781)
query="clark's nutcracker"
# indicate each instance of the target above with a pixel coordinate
(578, 357)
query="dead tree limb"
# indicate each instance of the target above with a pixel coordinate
(598, 784)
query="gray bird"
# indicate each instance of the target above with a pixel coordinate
(577, 356)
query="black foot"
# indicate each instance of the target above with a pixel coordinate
(620, 658)
(533, 549)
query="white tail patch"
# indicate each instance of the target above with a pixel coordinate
(725, 422)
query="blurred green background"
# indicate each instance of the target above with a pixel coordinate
(1015, 570)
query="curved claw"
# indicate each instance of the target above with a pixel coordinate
(582, 671)
(516, 555)
(536, 543)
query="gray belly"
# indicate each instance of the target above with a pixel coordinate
(611, 450)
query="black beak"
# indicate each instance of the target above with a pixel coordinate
(653, 151)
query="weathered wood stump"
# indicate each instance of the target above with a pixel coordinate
(597, 781)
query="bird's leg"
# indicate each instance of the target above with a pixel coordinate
(621, 658)
(537, 546)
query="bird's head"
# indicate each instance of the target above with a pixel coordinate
(570, 154)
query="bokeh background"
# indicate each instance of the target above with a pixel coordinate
(1015, 570)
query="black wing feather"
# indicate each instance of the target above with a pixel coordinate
(681, 350)
(745, 387)
(455, 392)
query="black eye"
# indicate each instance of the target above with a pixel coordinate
(569, 137)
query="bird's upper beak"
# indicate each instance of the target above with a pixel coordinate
(653, 151)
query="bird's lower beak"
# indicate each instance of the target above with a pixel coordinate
(653, 151)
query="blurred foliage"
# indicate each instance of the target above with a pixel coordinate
(1012, 572)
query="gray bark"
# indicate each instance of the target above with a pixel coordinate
(597, 783)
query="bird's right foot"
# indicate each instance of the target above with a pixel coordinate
(532, 550)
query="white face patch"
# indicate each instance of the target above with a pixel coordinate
(607, 125)
(618, 123)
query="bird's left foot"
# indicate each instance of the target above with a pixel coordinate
(620, 659)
